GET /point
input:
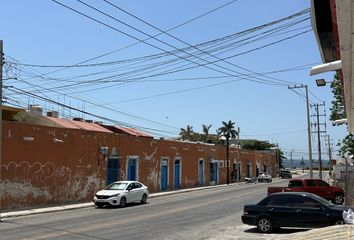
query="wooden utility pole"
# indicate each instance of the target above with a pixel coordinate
(238, 155)
(291, 159)
(1, 64)
(308, 124)
(330, 155)
(318, 124)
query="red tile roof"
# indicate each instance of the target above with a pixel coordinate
(68, 123)
(129, 131)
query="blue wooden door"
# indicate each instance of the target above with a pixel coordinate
(131, 169)
(177, 174)
(248, 170)
(164, 175)
(213, 172)
(112, 170)
(236, 172)
(201, 173)
(216, 172)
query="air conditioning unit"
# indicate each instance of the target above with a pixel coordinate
(36, 109)
(53, 114)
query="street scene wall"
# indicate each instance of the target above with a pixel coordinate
(43, 166)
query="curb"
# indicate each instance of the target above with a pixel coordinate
(336, 232)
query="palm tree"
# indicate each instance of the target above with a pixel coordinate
(206, 131)
(186, 134)
(228, 131)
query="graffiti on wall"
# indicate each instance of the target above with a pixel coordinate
(46, 182)
(24, 171)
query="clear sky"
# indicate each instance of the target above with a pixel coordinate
(221, 60)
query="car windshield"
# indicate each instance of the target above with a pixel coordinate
(116, 186)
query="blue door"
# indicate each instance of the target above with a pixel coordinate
(164, 175)
(177, 174)
(248, 170)
(201, 173)
(236, 172)
(131, 169)
(213, 173)
(112, 170)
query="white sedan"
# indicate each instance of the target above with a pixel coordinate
(121, 193)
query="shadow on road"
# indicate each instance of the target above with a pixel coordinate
(279, 230)
(118, 207)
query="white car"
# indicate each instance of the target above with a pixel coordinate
(121, 193)
(264, 177)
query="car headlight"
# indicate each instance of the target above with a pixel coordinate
(115, 195)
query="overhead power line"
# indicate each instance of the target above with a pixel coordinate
(140, 31)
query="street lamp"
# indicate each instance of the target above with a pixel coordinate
(104, 150)
(321, 82)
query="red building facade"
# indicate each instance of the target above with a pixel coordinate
(43, 166)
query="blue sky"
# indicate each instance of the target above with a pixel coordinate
(45, 33)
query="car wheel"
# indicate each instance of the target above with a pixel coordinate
(99, 205)
(264, 224)
(143, 199)
(123, 202)
(339, 222)
(339, 199)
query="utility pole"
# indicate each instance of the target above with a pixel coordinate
(1, 64)
(319, 134)
(291, 159)
(308, 124)
(277, 158)
(238, 155)
(330, 155)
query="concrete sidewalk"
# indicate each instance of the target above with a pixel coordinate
(337, 232)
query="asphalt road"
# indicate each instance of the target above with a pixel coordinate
(208, 214)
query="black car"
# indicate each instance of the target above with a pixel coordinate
(292, 209)
(285, 174)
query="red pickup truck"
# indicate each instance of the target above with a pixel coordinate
(312, 185)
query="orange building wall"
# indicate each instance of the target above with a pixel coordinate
(43, 166)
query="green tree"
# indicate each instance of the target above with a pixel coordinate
(347, 145)
(187, 133)
(337, 109)
(228, 131)
(257, 145)
(281, 158)
(206, 131)
(265, 145)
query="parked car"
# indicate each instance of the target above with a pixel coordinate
(251, 179)
(285, 174)
(121, 193)
(312, 185)
(292, 209)
(264, 177)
